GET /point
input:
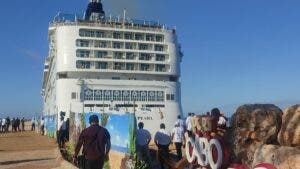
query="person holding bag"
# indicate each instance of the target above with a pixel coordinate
(96, 146)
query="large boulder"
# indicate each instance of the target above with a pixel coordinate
(289, 134)
(252, 126)
(281, 157)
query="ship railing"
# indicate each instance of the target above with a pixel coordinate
(108, 25)
(62, 19)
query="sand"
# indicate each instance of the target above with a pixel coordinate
(29, 150)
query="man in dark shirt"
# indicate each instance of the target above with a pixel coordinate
(96, 144)
(7, 123)
(18, 124)
(23, 123)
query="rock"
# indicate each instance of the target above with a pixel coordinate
(251, 127)
(281, 157)
(289, 135)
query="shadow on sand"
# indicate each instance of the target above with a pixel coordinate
(24, 161)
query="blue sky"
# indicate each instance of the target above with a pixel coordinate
(236, 51)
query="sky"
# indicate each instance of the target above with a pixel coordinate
(235, 52)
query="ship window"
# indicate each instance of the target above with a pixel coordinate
(151, 95)
(160, 57)
(107, 95)
(83, 53)
(128, 36)
(145, 56)
(83, 64)
(160, 96)
(62, 76)
(161, 68)
(128, 45)
(159, 48)
(100, 44)
(126, 95)
(138, 36)
(115, 78)
(86, 33)
(117, 35)
(145, 67)
(172, 96)
(118, 55)
(100, 34)
(149, 37)
(135, 96)
(88, 94)
(168, 96)
(117, 45)
(117, 95)
(73, 95)
(159, 38)
(143, 46)
(82, 43)
(143, 95)
(129, 66)
(130, 56)
(92, 34)
(101, 54)
(98, 94)
(81, 32)
(119, 66)
(101, 65)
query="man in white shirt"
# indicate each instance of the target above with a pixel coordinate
(143, 138)
(222, 121)
(162, 140)
(3, 124)
(62, 132)
(181, 122)
(178, 139)
(188, 123)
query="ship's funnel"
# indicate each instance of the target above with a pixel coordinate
(94, 10)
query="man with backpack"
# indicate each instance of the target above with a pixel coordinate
(96, 145)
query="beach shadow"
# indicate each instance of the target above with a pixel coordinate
(24, 161)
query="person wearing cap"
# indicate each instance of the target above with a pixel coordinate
(143, 138)
(96, 145)
(162, 140)
(178, 139)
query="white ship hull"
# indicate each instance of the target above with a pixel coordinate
(105, 67)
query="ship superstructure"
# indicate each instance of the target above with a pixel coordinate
(112, 65)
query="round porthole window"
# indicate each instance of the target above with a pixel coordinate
(160, 94)
(151, 94)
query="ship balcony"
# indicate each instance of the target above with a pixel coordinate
(122, 46)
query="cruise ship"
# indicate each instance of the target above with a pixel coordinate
(105, 64)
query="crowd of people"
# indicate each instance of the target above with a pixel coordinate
(95, 140)
(164, 138)
(12, 125)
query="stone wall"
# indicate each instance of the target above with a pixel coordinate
(262, 133)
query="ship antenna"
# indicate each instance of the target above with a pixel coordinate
(124, 16)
